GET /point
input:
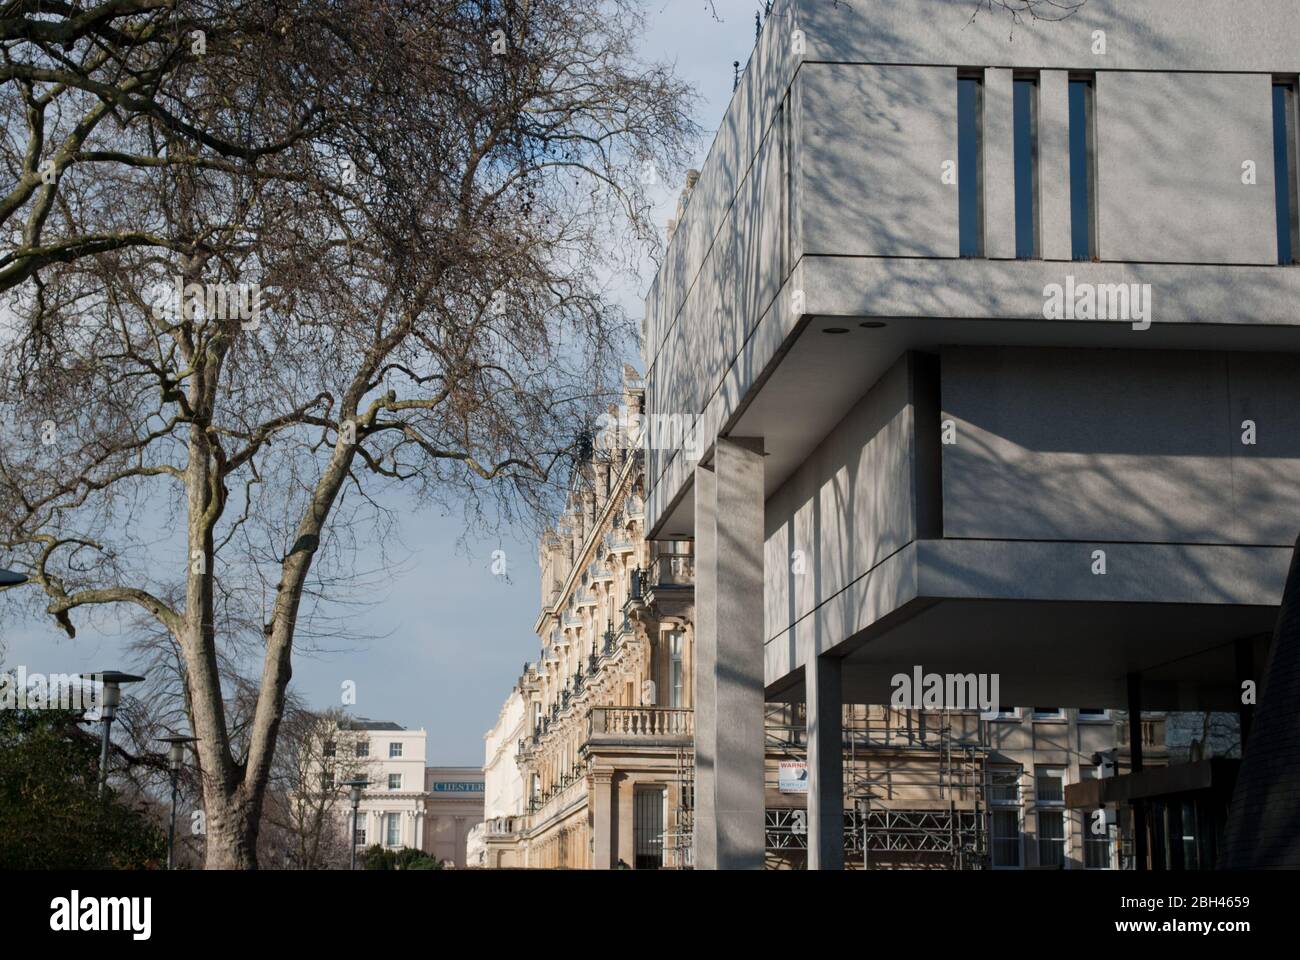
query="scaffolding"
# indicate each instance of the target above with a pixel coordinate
(680, 834)
(913, 781)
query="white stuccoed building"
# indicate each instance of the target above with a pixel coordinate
(393, 807)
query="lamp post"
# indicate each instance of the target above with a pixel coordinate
(112, 681)
(175, 762)
(355, 787)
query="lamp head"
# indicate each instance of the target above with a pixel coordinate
(354, 789)
(176, 750)
(111, 696)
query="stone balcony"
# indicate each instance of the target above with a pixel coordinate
(639, 726)
(668, 585)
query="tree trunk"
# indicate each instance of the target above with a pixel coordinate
(232, 824)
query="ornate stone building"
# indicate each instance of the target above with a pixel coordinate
(606, 760)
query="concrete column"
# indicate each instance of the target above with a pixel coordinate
(703, 682)
(602, 823)
(825, 762)
(1054, 164)
(999, 165)
(735, 593)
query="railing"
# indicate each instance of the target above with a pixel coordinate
(672, 570)
(502, 826)
(640, 722)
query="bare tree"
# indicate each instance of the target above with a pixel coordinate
(418, 207)
(307, 804)
(1021, 12)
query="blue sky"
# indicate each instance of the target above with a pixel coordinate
(450, 636)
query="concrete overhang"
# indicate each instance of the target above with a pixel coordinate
(794, 381)
(1034, 615)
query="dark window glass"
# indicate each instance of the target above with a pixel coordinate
(970, 162)
(1026, 160)
(1083, 204)
(1284, 171)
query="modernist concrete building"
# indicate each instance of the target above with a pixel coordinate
(591, 760)
(989, 350)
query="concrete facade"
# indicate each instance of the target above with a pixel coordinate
(951, 476)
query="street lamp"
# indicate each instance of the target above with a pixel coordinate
(175, 763)
(112, 681)
(355, 787)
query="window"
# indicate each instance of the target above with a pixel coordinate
(1025, 109)
(394, 781)
(1096, 833)
(1049, 713)
(1004, 713)
(1004, 815)
(970, 164)
(1096, 848)
(1083, 170)
(1049, 791)
(787, 189)
(676, 689)
(1051, 838)
(1004, 786)
(363, 748)
(392, 829)
(1004, 837)
(360, 839)
(395, 750)
(1091, 714)
(329, 748)
(1284, 171)
(327, 780)
(1049, 786)
(648, 829)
